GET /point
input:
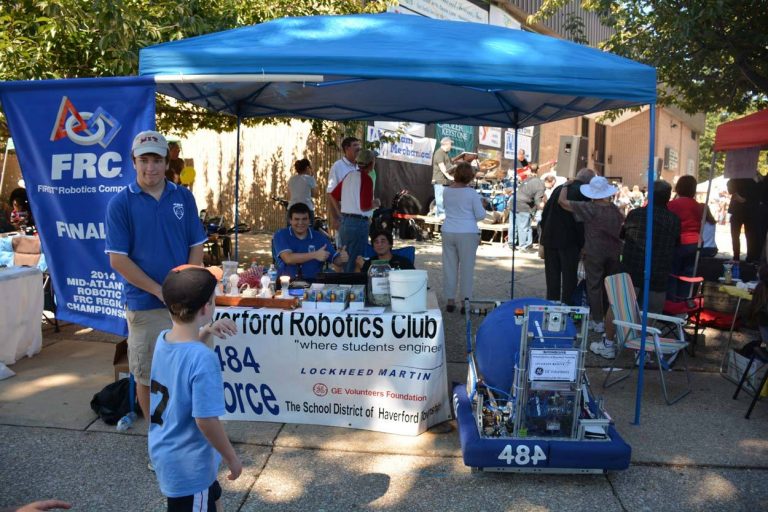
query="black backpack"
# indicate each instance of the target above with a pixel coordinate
(113, 402)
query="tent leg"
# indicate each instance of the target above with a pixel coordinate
(237, 192)
(648, 250)
(704, 213)
(513, 221)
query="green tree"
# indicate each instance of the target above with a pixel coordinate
(711, 54)
(44, 39)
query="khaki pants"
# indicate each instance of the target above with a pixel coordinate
(143, 329)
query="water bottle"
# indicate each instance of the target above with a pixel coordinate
(126, 422)
(272, 273)
(735, 272)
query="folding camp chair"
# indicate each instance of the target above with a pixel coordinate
(688, 305)
(407, 251)
(627, 318)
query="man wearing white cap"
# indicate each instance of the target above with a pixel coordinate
(152, 227)
(602, 243)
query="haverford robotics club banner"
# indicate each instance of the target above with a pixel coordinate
(385, 373)
(73, 141)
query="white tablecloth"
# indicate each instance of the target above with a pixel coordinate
(21, 308)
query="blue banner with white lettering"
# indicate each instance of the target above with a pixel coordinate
(73, 141)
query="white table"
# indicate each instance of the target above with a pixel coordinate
(21, 309)
(385, 372)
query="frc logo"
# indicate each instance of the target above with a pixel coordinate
(85, 129)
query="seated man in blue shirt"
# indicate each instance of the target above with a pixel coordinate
(299, 244)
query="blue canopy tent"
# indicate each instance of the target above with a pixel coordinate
(400, 68)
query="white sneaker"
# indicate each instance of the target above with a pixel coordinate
(603, 348)
(597, 327)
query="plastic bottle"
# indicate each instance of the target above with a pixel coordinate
(735, 272)
(378, 283)
(126, 422)
(272, 273)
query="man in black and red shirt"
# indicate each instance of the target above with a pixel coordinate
(666, 236)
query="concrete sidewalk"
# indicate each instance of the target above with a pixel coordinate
(700, 454)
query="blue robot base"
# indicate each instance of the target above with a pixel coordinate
(530, 455)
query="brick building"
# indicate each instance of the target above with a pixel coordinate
(615, 148)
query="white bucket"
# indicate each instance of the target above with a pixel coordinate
(408, 289)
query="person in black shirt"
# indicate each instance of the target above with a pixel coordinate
(563, 238)
(666, 238)
(382, 246)
(744, 209)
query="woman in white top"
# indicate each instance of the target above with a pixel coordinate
(302, 187)
(463, 209)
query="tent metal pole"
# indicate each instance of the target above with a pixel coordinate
(235, 78)
(648, 251)
(513, 219)
(704, 214)
(237, 191)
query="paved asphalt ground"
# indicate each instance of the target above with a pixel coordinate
(700, 454)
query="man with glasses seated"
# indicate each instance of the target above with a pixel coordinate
(300, 245)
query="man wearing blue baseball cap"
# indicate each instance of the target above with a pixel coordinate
(152, 227)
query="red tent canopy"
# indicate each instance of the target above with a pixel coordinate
(748, 132)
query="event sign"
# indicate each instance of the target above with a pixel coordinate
(463, 138)
(404, 147)
(524, 136)
(500, 17)
(418, 129)
(376, 372)
(490, 136)
(73, 140)
(459, 10)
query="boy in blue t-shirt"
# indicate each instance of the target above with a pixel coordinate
(186, 439)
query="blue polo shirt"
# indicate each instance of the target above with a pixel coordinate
(286, 240)
(156, 235)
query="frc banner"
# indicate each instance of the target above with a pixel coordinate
(385, 373)
(73, 140)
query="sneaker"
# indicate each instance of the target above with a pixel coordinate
(597, 327)
(604, 348)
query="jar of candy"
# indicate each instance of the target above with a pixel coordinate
(378, 283)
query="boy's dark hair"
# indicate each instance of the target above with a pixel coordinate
(302, 165)
(662, 191)
(298, 208)
(20, 195)
(686, 186)
(376, 234)
(348, 141)
(186, 289)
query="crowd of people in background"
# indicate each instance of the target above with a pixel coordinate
(587, 219)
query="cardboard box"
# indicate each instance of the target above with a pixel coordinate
(736, 366)
(719, 301)
(120, 361)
